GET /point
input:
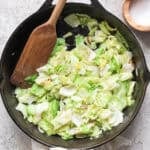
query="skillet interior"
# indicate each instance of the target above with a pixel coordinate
(14, 47)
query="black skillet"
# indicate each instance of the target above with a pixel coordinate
(15, 45)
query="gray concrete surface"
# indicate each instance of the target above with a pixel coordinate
(136, 137)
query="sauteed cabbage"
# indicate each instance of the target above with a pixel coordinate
(83, 92)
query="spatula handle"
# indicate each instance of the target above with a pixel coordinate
(56, 12)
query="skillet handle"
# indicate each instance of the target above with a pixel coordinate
(1, 75)
(148, 76)
(96, 3)
(48, 3)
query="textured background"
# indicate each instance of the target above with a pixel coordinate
(136, 137)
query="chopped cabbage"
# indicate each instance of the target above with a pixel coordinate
(83, 92)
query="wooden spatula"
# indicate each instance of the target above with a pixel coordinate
(38, 48)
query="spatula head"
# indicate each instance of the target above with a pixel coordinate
(35, 53)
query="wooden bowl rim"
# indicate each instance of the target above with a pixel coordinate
(129, 19)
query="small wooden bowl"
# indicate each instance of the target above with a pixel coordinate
(128, 18)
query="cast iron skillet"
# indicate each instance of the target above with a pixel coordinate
(15, 45)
